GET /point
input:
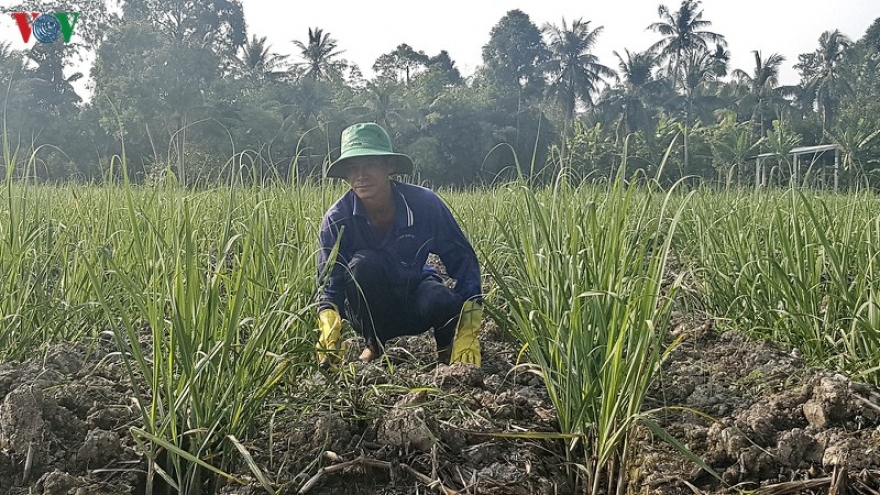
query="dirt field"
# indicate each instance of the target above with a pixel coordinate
(393, 426)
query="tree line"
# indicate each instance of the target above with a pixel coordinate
(181, 89)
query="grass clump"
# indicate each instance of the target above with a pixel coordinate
(582, 290)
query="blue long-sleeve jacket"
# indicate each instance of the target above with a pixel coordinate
(422, 224)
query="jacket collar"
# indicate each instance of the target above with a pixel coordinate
(403, 214)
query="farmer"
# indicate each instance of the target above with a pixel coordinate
(379, 279)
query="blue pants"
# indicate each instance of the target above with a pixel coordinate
(381, 307)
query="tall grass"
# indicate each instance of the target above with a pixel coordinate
(795, 267)
(208, 294)
(581, 288)
(209, 300)
(46, 296)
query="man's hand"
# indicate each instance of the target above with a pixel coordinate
(466, 346)
(330, 347)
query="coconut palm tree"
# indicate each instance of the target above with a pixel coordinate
(822, 72)
(700, 73)
(698, 100)
(256, 58)
(632, 98)
(310, 100)
(721, 60)
(386, 105)
(575, 72)
(318, 54)
(683, 32)
(762, 85)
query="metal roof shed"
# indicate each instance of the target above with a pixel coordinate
(797, 153)
(760, 179)
(816, 151)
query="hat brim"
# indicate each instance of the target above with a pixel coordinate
(402, 164)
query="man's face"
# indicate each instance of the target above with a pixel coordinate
(368, 176)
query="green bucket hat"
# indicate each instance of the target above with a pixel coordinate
(368, 139)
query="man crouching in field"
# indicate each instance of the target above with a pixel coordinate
(379, 279)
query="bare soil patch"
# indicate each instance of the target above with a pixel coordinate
(404, 425)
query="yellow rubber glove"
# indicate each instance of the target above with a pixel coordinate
(330, 347)
(466, 346)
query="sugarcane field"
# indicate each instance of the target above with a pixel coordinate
(252, 247)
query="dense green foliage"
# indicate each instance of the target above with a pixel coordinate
(185, 87)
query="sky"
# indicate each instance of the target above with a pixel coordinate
(366, 30)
